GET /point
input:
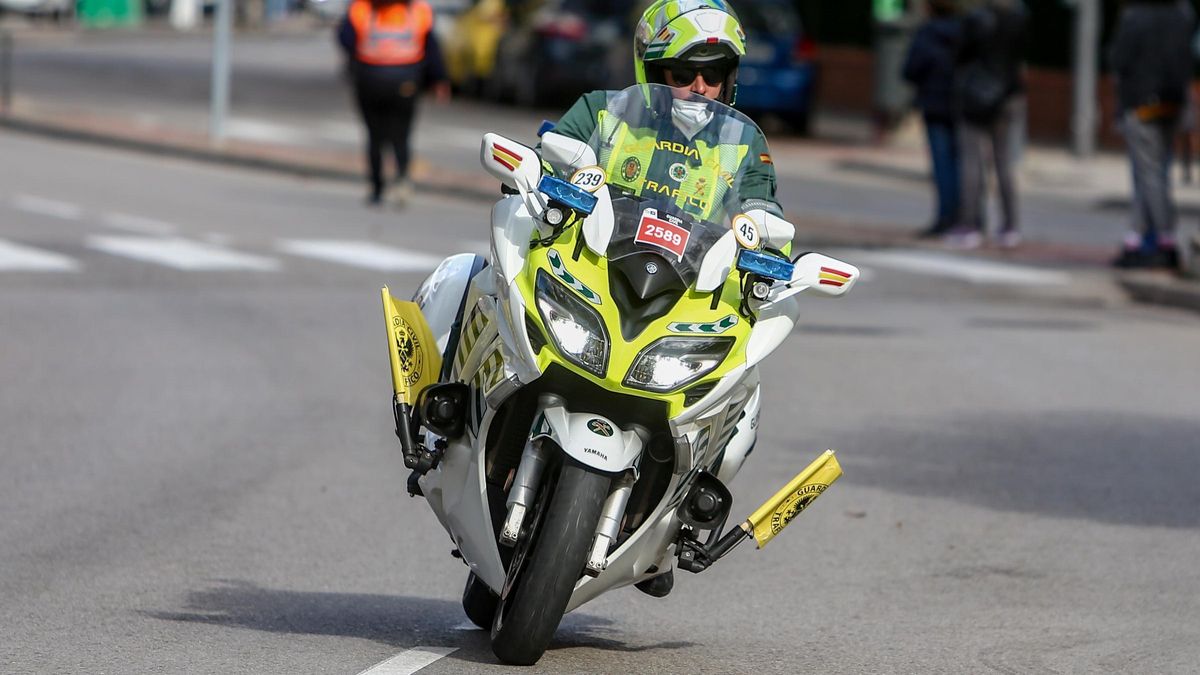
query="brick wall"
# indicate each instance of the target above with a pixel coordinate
(847, 79)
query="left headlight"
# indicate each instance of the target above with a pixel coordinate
(576, 329)
(670, 363)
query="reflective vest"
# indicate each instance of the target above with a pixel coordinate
(696, 176)
(391, 34)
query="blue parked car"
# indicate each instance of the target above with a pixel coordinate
(779, 73)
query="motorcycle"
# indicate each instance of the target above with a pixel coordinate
(573, 405)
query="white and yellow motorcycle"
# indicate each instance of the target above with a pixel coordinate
(573, 405)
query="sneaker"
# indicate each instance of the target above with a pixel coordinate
(401, 194)
(1009, 239)
(963, 239)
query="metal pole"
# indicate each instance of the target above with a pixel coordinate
(1087, 40)
(6, 49)
(223, 27)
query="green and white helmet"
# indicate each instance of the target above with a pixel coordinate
(696, 32)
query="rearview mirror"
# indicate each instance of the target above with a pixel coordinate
(515, 165)
(821, 273)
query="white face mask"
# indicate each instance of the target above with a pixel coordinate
(690, 116)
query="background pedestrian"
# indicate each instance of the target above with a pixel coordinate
(1152, 61)
(991, 98)
(392, 56)
(929, 66)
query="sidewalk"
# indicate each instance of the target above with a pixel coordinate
(840, 152)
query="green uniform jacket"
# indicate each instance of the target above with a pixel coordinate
(758, 184)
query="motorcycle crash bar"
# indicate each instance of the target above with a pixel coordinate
(776, 513)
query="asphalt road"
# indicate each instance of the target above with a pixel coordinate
(197, 471)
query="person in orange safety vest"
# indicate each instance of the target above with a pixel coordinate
(392, 56)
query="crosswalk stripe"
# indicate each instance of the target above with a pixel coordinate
(47, 207)
(361, 254)
(139, 224)
(23, 258)
(181, 254)
(973, 270)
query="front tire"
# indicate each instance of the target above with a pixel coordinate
(548, 561)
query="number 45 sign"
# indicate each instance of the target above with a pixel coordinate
(662, 232)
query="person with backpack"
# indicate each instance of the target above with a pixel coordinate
(991, 99)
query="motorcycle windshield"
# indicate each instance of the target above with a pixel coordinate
(674, 164)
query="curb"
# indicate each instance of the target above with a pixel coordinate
(439, 182)
(1161, 288)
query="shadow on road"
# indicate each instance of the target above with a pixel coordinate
(1105, 466)
(398, 621)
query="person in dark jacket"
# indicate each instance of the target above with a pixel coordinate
(929, 66)
(392, 56)
(1152, 61)
(990, 91)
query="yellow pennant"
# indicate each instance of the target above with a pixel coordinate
(778, 511)
(412, 350)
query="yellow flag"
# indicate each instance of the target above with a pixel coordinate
(778, 511)
(413, 352)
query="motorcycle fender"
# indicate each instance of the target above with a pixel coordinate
(592, 440)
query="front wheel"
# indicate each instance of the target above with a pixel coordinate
(547, 562)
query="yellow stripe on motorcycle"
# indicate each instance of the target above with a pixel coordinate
(411, 348)
(778, 511)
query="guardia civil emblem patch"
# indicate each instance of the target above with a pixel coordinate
(631, 169)
(678, 172)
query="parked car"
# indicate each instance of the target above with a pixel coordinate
(469, 45)
(778, 74)
(555, 50)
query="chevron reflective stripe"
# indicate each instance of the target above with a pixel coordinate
(560, 271)
(714, 327)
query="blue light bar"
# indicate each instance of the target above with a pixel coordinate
(563, 192)
(765, 265)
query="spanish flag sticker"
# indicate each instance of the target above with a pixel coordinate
(507, 158)
(832, 277)
(765, 158)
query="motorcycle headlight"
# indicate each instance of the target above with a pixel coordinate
(670, 363)
(576, 329)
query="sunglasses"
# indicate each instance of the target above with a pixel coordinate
(684, 75)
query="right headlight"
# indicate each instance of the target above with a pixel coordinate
(576, 329)
(672, 362)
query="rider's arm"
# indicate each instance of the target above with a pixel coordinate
(580, 120)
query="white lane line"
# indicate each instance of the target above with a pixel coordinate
(361, 254)
(26, 259)
(181, 254)
(409, 662)
(968, 269)
(138, 224)
(47, 207)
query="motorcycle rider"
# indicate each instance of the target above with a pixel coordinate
(693, 46)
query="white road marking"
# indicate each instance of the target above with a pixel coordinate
(26, 259)
(263, 130)
(973, 270)
(139, 224)
(181, 253)
(47, 207)
(361, 254)
(406, 663)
